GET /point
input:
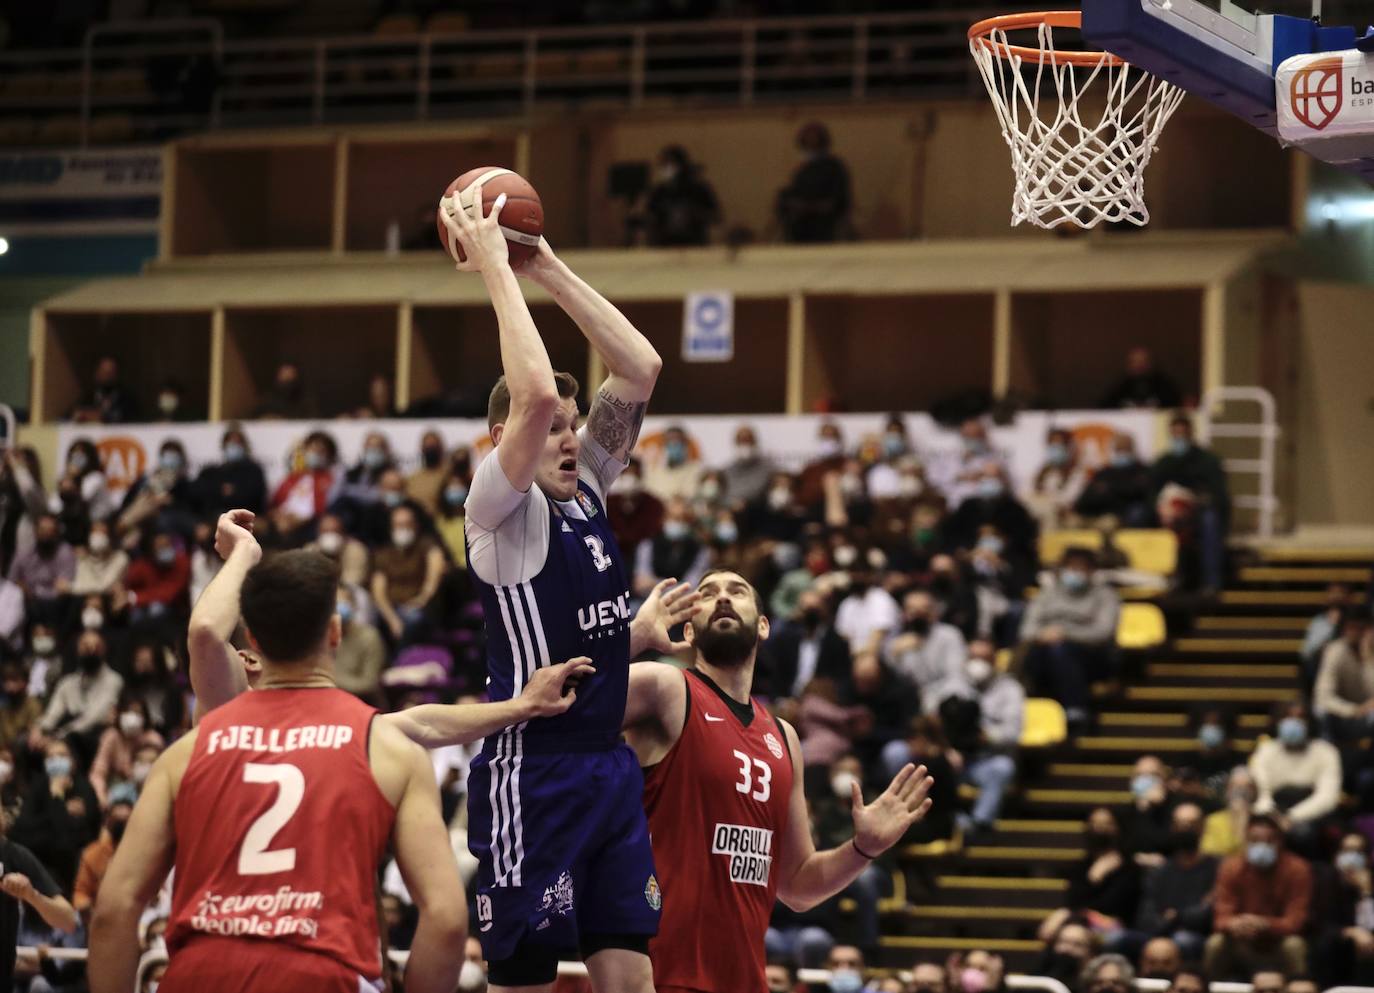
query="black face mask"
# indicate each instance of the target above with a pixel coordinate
(46, 545)
(116, 829)
(942, 585)
(1062, 966)
(919, 625)
(91, 663)
(1098, 843)
(432, 457)
(811, 618)
(1184, 842)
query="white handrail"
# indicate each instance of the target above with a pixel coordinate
(1265, 430)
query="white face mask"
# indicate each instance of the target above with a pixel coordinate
(331, 542)
(843, 784)
(131, 722)
(779, 497)
(745, 451)
(44, 645)
(829, 447)
(471, 976)
(403, 537)
(140, 772)
(6, 770)
(979, 671)
(92, 619)
(99, 542)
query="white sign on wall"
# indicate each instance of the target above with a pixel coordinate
(708, 326)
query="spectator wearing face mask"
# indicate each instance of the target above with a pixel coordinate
(1176, 905)
(749, 471)
(159, 581)
(814, 206)
(375, 526)
(1104, 889)
(60, 815)
(636, 515)
(975, 972)
(348, 552)
(1216, 754)
(1068, 948)
(1223, 832)
(1298, 777)
(1343, 695)
(44, 660)
(806, 648)
(163, 498)
(1260, 907)
(1146, 825)
(235, 482)
(846, 965)
(1344, 949)
(676, 474)
(360, 487)
(1058, 483)
(95, 859)
(992, 503)
(452, 514)
(1190, 489)
(957, 475)
(681, 206)
(829, 458)
(19, 712)
(983, 715)
(305, 493)
(405, 576)
(361, 654)
(83, 702)
(100, 565)
(152, 684)
(868, 615)
(114, 759)
(1068, 632)
(779, 515)
(171, 404)
(674, 552)
(1324, 627)
(45, 571)
(426, 483)
(108, 401)
(1119, 491)
(472, 977)
(926, 651)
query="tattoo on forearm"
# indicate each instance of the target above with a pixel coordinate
(615, 423)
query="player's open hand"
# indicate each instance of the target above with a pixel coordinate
(234, 531)
(553, 689)
(668, 604)
(881, 824)
(481, 239)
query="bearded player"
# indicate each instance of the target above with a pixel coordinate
(723, 793)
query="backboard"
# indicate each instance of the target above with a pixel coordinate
(1233, 54)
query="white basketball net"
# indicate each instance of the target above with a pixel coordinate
(1068, 170)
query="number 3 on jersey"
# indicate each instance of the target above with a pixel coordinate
(747, 765)
(254, 858)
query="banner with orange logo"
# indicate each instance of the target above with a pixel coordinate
(127, 451)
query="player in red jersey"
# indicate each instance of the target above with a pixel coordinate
(277, 811)
(723, 792)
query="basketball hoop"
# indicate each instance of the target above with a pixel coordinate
(1068, 170)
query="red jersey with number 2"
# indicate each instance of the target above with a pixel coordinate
(280, 826)
(718, 810)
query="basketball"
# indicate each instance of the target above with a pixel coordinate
(522, 218)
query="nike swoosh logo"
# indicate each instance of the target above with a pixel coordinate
(710, 718)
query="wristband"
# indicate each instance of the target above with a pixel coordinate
(855, 842)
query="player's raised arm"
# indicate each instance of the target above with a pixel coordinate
(217, 674)
(618, 409)
(808, 877)
(550, 691)
(425, 858)
(140, 865)
(529, 375)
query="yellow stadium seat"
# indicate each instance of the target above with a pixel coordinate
(1141, 625)
(1149, 549)
(1003, 659)
(938, 848)
(1045, 723)
(1053, 543)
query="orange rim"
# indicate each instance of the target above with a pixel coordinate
(1021, 22)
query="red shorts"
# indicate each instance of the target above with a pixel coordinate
(228, 965)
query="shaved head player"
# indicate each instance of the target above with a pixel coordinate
(723, 792)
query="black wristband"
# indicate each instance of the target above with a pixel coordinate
(855, 842)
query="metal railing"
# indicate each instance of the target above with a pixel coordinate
(150, 80)
(1264, 430)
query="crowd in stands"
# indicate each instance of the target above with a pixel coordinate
(898, 590)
